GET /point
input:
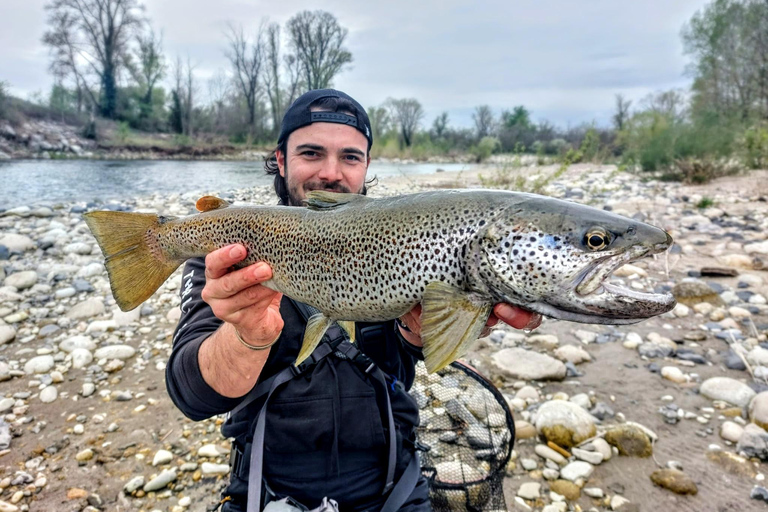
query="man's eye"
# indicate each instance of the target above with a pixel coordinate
(354, 158)
(309, 153)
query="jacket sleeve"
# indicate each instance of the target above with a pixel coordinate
(183, 379)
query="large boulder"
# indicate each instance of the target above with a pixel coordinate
(728, 390)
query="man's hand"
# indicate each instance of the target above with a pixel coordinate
(512, 315)
(238, 298)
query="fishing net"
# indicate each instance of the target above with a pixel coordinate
(468, 430)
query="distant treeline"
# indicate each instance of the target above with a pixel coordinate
(109, 64)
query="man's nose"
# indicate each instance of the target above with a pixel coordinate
(331, 170)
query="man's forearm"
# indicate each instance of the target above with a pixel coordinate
(227, 366)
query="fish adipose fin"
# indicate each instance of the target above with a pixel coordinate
(313, 335)
(323, 199)
(134, 267)
(208, 203)
(349, 328)
(450, 322)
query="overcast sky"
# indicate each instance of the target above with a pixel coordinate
(563, 59)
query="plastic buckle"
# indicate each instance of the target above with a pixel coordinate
(388, 487)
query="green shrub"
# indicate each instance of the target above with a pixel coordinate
(4, 101)
(590, 145)
(573, 156)
(485, 148)
(123, 132)
(705, 202)
(754, 147)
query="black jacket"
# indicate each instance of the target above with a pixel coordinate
(326, 431)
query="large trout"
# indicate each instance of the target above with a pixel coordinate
(360, 259)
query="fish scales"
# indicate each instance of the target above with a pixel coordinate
(362, 262)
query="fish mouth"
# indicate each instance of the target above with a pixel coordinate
(602, 302)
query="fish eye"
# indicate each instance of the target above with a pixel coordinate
(597, 239)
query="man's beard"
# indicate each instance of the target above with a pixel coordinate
(294, 199)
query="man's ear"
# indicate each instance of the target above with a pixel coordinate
(280, 157)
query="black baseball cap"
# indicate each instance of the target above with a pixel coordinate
(299, 115)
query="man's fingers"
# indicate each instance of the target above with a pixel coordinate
(517, 317)
(219, 261)
(257, 297)
(235, 282)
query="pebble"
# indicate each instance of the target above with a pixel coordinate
(674, 480)
(115, 352)
(674, 374)
(162, 457)
(577, 470)
(210, 469)
(731, 431)
(49, 394)
(7, 334)
(39, 364)
(548, 453)
(728, 390)
(164, 478)
(529, 490)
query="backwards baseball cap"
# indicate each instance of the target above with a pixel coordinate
(299, 115)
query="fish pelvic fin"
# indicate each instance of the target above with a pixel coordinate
(451, 320)
(349, 328)
(133, 259)
(313, 335)
(208, 203)
(324, 199)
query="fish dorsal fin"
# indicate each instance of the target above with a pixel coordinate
(208, 203)
(322, 199)
(451, 320)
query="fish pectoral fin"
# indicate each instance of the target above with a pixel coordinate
(451, 320)
(313, 335)
(324, 199)
(208, 203)
(349, 328)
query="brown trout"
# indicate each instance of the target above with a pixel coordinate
(457, 252)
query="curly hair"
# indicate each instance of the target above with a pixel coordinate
(270, 162)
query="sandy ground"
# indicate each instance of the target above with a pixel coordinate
(618, 376)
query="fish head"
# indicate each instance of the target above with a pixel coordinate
(553, 257)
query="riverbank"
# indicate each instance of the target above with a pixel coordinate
(87, 424)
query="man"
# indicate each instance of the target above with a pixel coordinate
(326, 434)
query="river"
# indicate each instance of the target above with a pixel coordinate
(51, 182)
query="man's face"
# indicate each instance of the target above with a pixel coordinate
(323, 156)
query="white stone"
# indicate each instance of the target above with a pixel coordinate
(7, 334)
(81, 358)
(572, 353)
(546, 452)
(582, 400)
(211, 451)
(587, 456)
(164, 478)
(674, 374)
(529, 490)
(210, 469)
(728, 390)
(49, 394)
(593, 492)
(39, 364)
(738, 313)
(21, 280)
(757, 248)
(602, 446)
(88, 389)
(87, 309)
(618, 501)
(758, 356)
(115, 352)
(730, 431)
(528, 393)
(162, 457)
(70, 344)
(123, 318)
(16, 242)
(577, 470)
(586, 337)
(681, 310)
(547, 340)
(6, 404)
(518, 363)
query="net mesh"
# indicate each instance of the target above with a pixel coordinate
(468, 430)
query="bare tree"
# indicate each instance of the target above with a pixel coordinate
(95, 33)
(272, 73)
(150, 66)
(406, 114)
(317, 40)
(440, 125)
(184, 94)
(621, 116)
(246, 58)
(483, 118)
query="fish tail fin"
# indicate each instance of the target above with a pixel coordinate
(313, 335)
(133, 259)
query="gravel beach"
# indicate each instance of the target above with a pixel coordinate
(668, 414)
